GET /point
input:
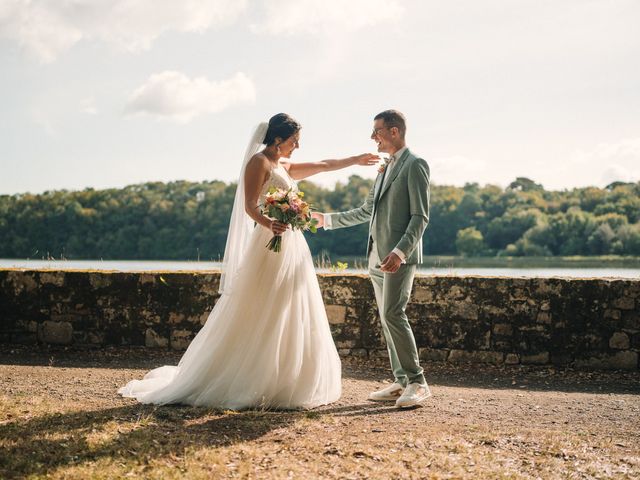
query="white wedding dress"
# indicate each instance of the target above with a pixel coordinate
(267, 344)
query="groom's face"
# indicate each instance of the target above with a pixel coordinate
(383, 136)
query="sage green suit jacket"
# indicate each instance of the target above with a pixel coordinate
(400, 209)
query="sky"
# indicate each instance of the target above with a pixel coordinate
(108, 93)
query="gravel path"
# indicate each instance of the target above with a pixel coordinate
(60, 417)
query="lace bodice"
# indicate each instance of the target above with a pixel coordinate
(279, 178)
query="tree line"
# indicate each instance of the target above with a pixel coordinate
(188, 220)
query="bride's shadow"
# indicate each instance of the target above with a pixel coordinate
(41, 445)
(142, 433)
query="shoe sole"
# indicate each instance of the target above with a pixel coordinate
(389, 399)
(417, 402)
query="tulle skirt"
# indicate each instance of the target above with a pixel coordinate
(265, 345)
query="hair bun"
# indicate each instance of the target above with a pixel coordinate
(280, 125)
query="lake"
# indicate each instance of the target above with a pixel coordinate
(433, 266)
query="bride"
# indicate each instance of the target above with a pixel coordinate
(267, 342)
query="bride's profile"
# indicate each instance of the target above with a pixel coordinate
(266, 343)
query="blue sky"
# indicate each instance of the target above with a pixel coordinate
(110, 93)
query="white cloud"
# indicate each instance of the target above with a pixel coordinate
(88, 106)
(38, 117)
(328, 16)
(48, 27)
(458, 169)
(174, 96)
(601, 165)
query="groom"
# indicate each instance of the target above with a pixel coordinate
(397, 209)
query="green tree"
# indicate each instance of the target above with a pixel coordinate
(469, 242)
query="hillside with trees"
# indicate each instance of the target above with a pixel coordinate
(186, 220)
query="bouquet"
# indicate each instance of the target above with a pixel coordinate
(287, 206)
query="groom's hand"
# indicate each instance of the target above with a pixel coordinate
(319, 217)
(391, 263)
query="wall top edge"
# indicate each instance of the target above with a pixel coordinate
(322, 275)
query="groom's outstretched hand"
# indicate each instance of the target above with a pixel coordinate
(391, 263)
(319, 217)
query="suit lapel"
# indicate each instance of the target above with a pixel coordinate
(394, 173)
(378, 186)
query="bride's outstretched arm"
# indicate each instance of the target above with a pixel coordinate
(299, 171)
(255, 175)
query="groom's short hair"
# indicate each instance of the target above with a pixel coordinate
(393, 118)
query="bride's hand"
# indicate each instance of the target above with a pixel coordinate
(277, 227)
(367, 159)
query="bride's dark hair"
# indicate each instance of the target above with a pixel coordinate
(280, 125)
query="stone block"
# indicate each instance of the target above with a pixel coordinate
(518, 294)
(422, 295)
(100, 280)
(545, 306)
(345, 343)
(336, 314)
(465, 310)
(433, 354)
(359, 353)
(59, 333)
(619, 341)
(544, 317)
(626, 360)
(612, 314)
(631, 320)
(455, 293)
(153, 340)
(52, 278)
(379, 353)
(180, 339)
(502, 345)
(512, 359)
(464, 356)
(22, 282)
(176, 318)
(146, 279)
(344, 352)
(505, 329)
(541, 358)
(624, 303)
(494, 311)
(95, 338)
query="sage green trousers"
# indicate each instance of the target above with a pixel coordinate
(392, 292)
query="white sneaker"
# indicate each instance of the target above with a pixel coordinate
(414, 394)
(387, 394)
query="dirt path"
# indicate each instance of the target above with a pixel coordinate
(60, 418)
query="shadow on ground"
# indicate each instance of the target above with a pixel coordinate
(534, 378)
(143, 433)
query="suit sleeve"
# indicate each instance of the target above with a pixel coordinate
(353, 217)
(418, 206)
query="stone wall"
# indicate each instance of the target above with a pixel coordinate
(578, 322)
